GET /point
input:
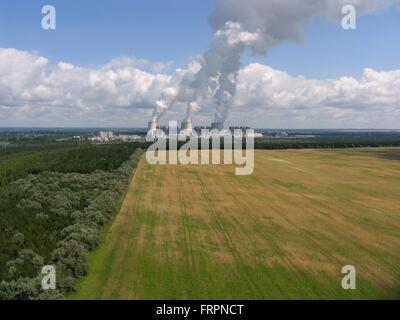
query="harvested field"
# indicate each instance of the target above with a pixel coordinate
(285, 232)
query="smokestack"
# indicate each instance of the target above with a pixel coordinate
(187, 125)
(217, 126)
(152, 125)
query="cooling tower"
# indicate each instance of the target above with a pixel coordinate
(217, 126)
(187, 125)
(152, 125)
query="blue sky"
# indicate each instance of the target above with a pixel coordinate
(333, 79)
(92, 32)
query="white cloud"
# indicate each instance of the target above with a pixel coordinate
(158, 67)
(28, 82)
(65, 66)
(35, 92)
(373, 100)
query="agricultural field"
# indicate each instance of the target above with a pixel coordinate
(285, 232)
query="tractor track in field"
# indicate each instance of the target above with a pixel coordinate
(197, 232)
(186, 229)
(254, 221)
(111, 256)
(225, 234)
(295, 229)
(132, 243)
(188, 241)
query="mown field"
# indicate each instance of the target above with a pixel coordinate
(200, 232)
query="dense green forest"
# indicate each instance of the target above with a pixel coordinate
(81, 159)
(319, 142)
(54, 202)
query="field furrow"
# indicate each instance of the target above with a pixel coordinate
(200, 232)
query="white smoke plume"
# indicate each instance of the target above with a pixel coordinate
(255, 25)
(219, 66)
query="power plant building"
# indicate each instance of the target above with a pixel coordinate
(186, 131)
(217, 126)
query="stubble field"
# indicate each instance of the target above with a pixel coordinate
(285, 232)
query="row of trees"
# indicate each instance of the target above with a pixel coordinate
(57, 219)
(323, 144)
(318, 142)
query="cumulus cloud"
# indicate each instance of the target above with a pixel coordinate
(373, 100)
(212, 83)
(257, 26)
(33, 89)
(28, 80)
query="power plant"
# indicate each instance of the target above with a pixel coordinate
(186, 130)
(186, 125)
(217, 126)
(152, 125)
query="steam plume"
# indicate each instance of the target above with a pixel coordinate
(257, 26)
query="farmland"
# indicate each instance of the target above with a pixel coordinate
(200, 232)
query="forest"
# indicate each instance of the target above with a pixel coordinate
(54, 203)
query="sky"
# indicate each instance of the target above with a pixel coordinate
(146, 41)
